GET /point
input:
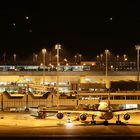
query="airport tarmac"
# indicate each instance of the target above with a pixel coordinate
(25, 125)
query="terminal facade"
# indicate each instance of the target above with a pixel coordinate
(76, 88)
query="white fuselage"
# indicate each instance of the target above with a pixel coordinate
(108, 115)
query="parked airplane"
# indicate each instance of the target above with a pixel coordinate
(104, 111)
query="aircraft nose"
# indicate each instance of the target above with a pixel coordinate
(109, 110)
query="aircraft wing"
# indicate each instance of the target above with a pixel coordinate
(49, 111)
(117, 110)
(78, 112)
(124, 111)
(75, 112)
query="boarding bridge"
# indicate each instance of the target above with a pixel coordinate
(8, 100)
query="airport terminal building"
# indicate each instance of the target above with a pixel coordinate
(78, 86)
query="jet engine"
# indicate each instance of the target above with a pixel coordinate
(126, 117)
(83, 117)
(59, 115)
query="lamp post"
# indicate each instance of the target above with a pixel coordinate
(14, 56)
(57, 47)
(65, 60)
(44, 53)
(101, 64)
(36, 58)
(97, 60)
(125, 57)
(117, 61)
(75, 59)
(80, 57)
(137, 48)
(97, 57)
(101, 55)
(117, 57)
(106, 74)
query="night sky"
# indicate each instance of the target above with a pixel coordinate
(82, 27)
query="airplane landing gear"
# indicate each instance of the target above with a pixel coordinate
(41, 115)
(105, 122)
(26, 109)
(93, 120)
(118, 122)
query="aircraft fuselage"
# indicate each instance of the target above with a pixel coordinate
(106, 115)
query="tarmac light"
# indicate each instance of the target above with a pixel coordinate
(69, 123)
(68, 120)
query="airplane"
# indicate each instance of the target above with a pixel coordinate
(104, 111)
